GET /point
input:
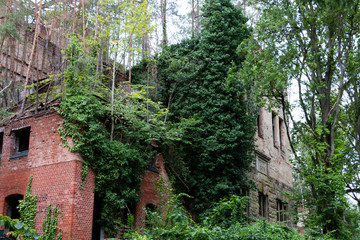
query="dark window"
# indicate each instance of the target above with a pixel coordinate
(244, 192)
(274, 129)
(260, 123)
(12, 203)
(149, 209)
(21, 147)
(263, 205)
(281, 133)
(1, 143)
(281, 210)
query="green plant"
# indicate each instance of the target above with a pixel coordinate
(27, 207)
(19, 229)
(50, 225)
(113, 135)
(197, 80)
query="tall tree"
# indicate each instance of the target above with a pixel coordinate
(36, 35)
(197, 77)
(163, 4)
(310, 46)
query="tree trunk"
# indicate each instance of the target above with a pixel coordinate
(37, 28)
(163, 21)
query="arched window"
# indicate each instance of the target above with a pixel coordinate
(149, 208)
(12, 203)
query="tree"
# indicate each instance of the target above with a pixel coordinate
(197, 79)
(310, 46)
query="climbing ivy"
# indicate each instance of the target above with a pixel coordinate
(198, 79)
(50, 225)
(27, 207)
(119, 163)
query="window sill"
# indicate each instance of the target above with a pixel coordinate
(20, 154)
(152, 169)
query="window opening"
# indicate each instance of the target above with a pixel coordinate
(281, 209)
(273, 128)
(12, 202)
(11, 207)
(263, 205)
(22, 139)
(244, 192)
(149, 208)
(260, 122)
(281, 133)
(97, 229)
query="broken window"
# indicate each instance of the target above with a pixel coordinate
(281, 210)
(263, 205)
(22, 139)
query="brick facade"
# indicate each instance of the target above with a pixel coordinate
(149, 188)
(56, 175)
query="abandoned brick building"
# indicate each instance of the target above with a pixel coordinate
(30, 145)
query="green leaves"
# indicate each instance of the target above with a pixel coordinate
(27, 209)
(306, 47)
(198, 81)
(227, 220)
(21, 230)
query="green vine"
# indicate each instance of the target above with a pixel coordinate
(119, 163)
(27, 207)
(50, 225)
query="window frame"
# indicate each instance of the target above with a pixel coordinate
(263, 205)
(281, 133)
(262, 161)
(281, 208)
(19, 142)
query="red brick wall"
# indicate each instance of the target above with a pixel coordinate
(56, 175)
(149, 194)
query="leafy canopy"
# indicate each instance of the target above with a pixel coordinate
(197, 80)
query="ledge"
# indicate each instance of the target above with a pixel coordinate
(152, 169)
(20, 154)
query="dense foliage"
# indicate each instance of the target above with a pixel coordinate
(197, 80)
(119, 163)
(227, 220)
(20, 230)
(311, 48)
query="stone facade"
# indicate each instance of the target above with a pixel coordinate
(273, 172)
